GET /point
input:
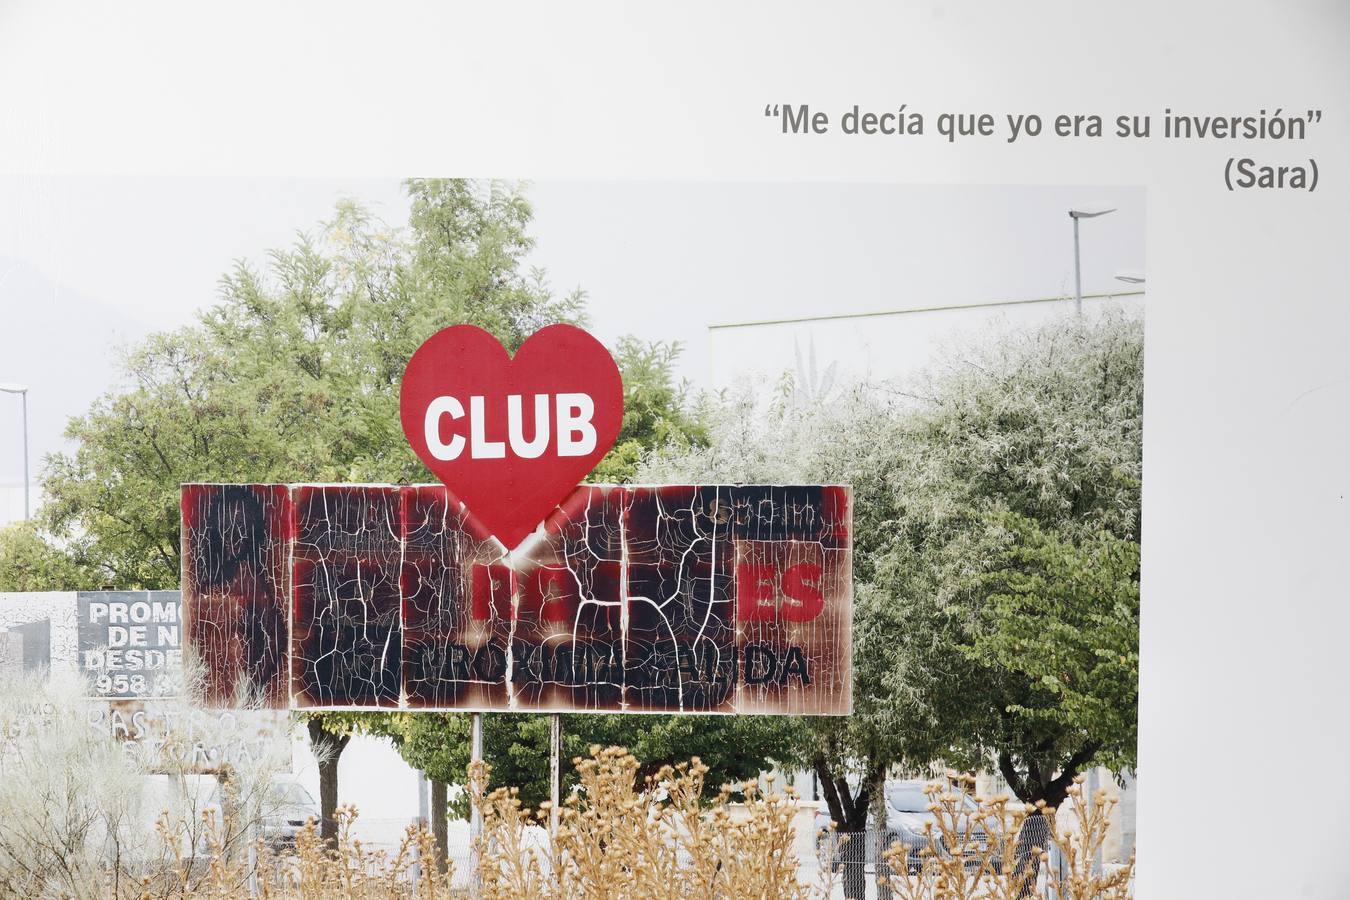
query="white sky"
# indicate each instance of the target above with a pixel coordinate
(89, 264)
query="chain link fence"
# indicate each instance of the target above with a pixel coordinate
(859, 867)
(853, 863)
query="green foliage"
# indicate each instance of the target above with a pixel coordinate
(517, 745)
(1062, 616)
(656, 411)
(31, 562)
(293, 376)
(996, 513)
(1020, 459)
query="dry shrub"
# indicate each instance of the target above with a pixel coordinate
(78, 806)
(1078, 848)
(81, 817)
(68, 799)
(616, 840)
(311, 870)
(78, 834)
(994, 851)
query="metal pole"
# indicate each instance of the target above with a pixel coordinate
(1093, 778)
(475, 815)
(26, 511)
(1077, 271)
(555, 792)
(423, 821)
(22, 391)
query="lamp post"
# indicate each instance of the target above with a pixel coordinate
(22, 391)
(1128, 278)
(1076, 214)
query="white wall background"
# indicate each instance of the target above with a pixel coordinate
(1245, 517)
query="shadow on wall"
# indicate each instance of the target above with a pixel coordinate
(26, 647)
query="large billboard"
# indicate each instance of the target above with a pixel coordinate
(698, 599)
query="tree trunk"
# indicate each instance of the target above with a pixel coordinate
(853, 855)
(882, 842)
(833, 802)
(1038, 783)
(849, 812)
(1031, 840)
(440, 825)
(859, 848)
(327, 748)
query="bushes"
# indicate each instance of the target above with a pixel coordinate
(1000, 849)
(77, 823)
(311, 870)
(616, 839)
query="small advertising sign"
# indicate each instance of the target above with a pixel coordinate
(170, 736)
(131, 643)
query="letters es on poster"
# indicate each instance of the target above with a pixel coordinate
(511, 437)
(676, 598)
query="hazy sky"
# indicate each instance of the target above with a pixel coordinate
(90, 264)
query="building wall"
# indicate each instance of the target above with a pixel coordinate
(42, 618)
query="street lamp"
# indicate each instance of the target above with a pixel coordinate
(22, 391)
(1076, 214)
(1130, 278)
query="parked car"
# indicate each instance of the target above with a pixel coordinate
(286, 806)
(907, 814)
(280, 811)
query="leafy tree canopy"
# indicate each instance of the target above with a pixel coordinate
(29, 561)
(293, 376)
(517, 745)
(996, 503)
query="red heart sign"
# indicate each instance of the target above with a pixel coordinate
(511, 438)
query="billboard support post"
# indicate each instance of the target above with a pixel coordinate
(554, 752)
(475, 814)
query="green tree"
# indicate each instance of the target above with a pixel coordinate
(657, 413)
(996, 555)
(293, 376)
(656, 409)
(517, 746)
(1060, 615)
(29, 561)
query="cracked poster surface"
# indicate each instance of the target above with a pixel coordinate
(697, 599)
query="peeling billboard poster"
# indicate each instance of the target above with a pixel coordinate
(695, 599)
(130, 643)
